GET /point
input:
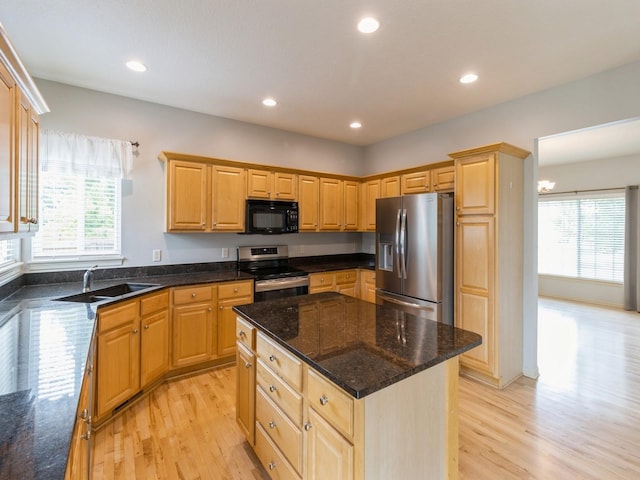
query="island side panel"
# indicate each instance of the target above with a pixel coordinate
(406, 427)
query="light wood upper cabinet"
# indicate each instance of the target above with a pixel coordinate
(228, 189)
(390, 186)
(272, 185)
(443, 179)
(187, 196)
(416, 182)
(308, 203)
(370, 193)
(8, 92)
(351, 190)
(475, 177)
(331, 204)
(27, 161)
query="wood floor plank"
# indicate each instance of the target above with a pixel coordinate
(579, 420)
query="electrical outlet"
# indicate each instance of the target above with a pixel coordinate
(225, 253)
(157, 255)
(301, 248)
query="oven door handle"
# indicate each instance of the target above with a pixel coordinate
(280, 284)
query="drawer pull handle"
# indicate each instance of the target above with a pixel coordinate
(247, 365)
(272, 425)
(272, 358)
(193, 295)
(146, 327)
(307, 426)
(272, 388)
(272, 465)
(242, 334)
(324, 400)
(235, 290)
(135, 330)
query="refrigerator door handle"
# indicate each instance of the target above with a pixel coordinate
(403, 243)
(406, 304)
(397, 242)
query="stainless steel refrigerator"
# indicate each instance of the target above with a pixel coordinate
(414, 254)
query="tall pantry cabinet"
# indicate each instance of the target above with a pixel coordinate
(489, 198)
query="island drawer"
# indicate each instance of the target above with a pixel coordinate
(233, 290)
(203, 293)
(332, 403)
(282, 431)
(289, 401)
(271, 458)
(283, 364)
(245, 333)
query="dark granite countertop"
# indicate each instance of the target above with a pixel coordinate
(43, 352)
(360, 346)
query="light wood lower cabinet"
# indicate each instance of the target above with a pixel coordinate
(154, 339)
(306, 427)
(368, 285)
(341, 281)
(230, 295)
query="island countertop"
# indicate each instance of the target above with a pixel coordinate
(360, 346)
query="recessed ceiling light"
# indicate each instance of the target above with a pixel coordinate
(468, 78)
(269, 102)
(368, 25)
(136, 66)
(355, 124)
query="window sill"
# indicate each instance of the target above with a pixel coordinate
(76, 263)
(10, 272)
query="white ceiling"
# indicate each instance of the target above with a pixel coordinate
(221, 57)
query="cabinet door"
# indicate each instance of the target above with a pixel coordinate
(246, 391)
(331, 198)
(368, 285)
(309, 196)
(390, 186)
(285, 186)
(227, 324)
(27, 167)
(154, 347)
(258, 183)
(417, 182)
(187, 196)
(443, 179)
(329, 455)
(228, 194)
(351, 203)
(194, 334)
(475, 277)
(475, 185)
(371, 192)
(118, 366)
(8, 91)
(322, 282)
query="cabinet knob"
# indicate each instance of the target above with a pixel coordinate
(84, 414)
(135, 330)
(272, 424)
(86, 436)
(209, 309)
(242, 334)
(193, 295)
(324, 400)
(247, 365)
(272, 388)
(221, 307)
(215, 223)
(322, 280)
(307, 426)
(272, 465)
(235, 290)
(272, 358)
(457, 224)
(33, 220)
(458, 208)
(146, 327)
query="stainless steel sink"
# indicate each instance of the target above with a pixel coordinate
(107, 293)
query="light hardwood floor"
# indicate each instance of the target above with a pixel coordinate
(580, 419)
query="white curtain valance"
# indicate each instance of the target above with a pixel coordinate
(71, 153)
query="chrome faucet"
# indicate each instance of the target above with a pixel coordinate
(88, 278)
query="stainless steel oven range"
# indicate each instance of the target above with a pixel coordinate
(274, 278)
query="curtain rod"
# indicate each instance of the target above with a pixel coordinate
(575, 192)
(134, 144)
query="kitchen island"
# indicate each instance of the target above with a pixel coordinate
(333, 387)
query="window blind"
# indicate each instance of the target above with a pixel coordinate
(9, 250)
(80, 216)
(582, 237)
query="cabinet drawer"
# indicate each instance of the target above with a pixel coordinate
(335, 405)
(154, 302)
(283, 364)
(232, 290)
(245, 333)
(285, 397)
(282, 431)
(347, 276)
(271, 458)
(117, 315)
(192, 294)
(321, 279)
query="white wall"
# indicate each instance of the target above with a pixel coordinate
(608, 173)
(609, 96)
(159, 128)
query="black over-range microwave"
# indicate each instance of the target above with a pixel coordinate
(271, 217)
